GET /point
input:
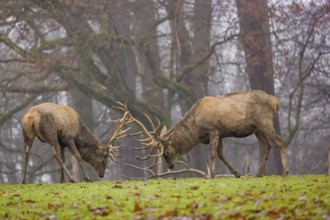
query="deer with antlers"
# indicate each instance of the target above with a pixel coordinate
(60, 126)
(213, 118)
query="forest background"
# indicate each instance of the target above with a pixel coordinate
(160, 57)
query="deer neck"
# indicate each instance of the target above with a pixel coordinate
(86, 142)
(184, 137)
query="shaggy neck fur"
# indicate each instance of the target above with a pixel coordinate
(184, 135)
(86, 142)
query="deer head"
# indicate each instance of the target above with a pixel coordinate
(98, 160)
(169, 152)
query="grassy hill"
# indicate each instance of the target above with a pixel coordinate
(274, 197)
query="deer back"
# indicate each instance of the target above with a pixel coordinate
(66, 119)
(237, 112)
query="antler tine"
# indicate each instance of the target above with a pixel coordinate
(128, 118)
(136, 133)
(157, 157)
(154, 163)
(150, 121)
(158, 123)
(154, 128)
(144, 129)
(121, 106)
(119, 132)
(113, 156)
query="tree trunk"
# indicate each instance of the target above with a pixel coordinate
(187, 51)
(329, 161)
(255, 38)
(201, 45)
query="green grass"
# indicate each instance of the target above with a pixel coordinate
(274, 197)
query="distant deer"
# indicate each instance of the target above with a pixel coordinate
(60, 126)
(213, 118)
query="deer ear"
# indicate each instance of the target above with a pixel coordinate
(97, 148)
(94, 147)
(163, 131)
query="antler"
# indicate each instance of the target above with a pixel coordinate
(118, 134)
(152, 141)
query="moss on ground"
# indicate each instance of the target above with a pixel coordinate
(273, 197)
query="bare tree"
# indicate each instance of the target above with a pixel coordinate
(255, 38)
(160, 57)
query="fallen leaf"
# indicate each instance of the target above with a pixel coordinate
(108, 197)
(116, 186)
(30, 201)
(137, 207)
(193, 205)
(273, 214)
(206, 216)
(170, 213)
(16, 195)
(193, 187)
(101, 211)
(238, 216)
(54, 206)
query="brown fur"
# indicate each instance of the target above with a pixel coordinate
(60, 126)
(234, 115)
(66, 119)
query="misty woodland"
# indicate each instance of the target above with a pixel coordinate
(200, 86)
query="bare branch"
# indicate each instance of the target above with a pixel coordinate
(12, 45)
(153, 174)
(5, 116)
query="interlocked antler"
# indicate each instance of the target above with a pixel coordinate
(118, 134)
(152, 140)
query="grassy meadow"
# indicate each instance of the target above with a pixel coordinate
(273, 197)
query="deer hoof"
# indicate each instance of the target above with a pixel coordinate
(87, 179)
(237, 174)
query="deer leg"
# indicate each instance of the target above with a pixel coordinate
(48, 131)
(280, 144)
(213, 152)
(225, 161)
(272, 137)
(266, 149)
(56, 151)
(27, 147)
(63, 159)
(75, 152)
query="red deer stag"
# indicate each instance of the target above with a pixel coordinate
(60, 126)
(215, 117)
